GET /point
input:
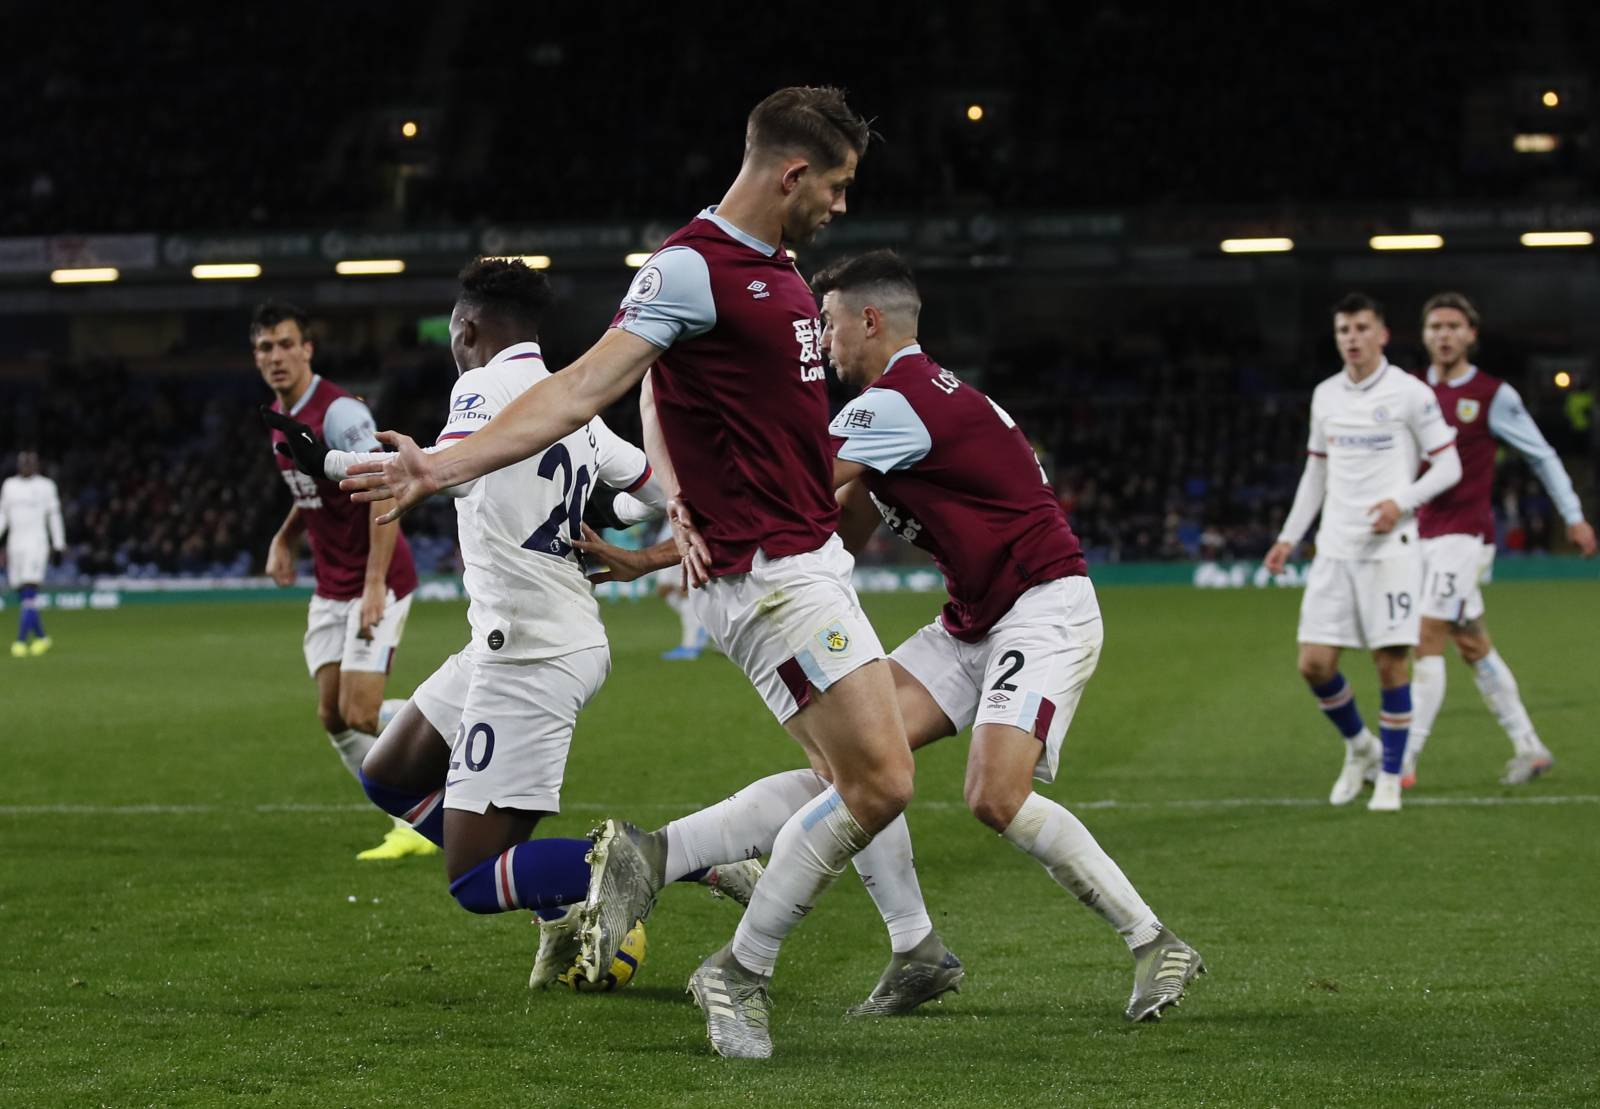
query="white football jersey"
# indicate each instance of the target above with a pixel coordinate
(30, 513)
(1373, 436)
(528, 597)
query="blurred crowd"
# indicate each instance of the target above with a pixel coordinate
(1152, 459)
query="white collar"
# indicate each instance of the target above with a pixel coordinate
(305, 398)
(1366, 385)
(904, 352)
(734, 233)
(1435, 377)
(517, 350)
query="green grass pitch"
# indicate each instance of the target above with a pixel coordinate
(182, 920)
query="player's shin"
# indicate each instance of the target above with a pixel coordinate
(889, 873)
(810, 852)
(742, 826)
(1076, 861)
(1499, 689)
(422, 812)
(1394, 726)
(540, 874)
(1428, 681)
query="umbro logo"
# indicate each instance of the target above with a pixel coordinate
(758, 290)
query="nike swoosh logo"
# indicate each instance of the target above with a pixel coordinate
(453, 782)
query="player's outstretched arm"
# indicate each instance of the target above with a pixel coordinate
(544, 414)
(621, 563)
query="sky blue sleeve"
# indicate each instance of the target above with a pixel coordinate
(881, 430)
(348, 426)
(1510, 423)
(670, 299)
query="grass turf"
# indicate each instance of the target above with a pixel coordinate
(184, 921)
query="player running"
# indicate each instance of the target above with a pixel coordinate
(1009, 656)
(1371, 423)
(30, 519)
(477, 756)
(1457, 529)
(728, 332)
(364, 572)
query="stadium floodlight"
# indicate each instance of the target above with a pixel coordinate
(1534, 142)
(1551, 99)
(408, 129)
(362, 267)
(535, 261)
(1563, 380)
(225, 271)
(1257, 246)
(88, 275)
(793, 256)
(1558, 238)
(1406, 242)
(975, 113)
(637, 259)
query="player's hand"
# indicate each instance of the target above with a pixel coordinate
(280, 562)
(691, 544)
(1582, 536)
(305, 450)
(57, 556)
(1385, 515)
(621, 564)
(408, 476)
(1278, 557)
(373, 599)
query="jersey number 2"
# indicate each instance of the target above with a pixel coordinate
(567, 516)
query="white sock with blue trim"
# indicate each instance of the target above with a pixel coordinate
(890, 875)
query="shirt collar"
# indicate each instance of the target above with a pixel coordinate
(515, 351)
(1435, 377)
(734, 233)
(904, 352)
(1366, 385)
(305, 398)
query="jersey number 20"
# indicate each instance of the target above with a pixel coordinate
(565, 519)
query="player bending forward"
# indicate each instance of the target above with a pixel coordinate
(1457, 529)
(1371, 423)
(477, 756)
(30, 521)
(728, 332)
(364, 573)
(1009, 656)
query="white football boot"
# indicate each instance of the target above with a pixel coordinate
(1362, 756)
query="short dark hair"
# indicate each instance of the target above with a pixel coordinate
(506, 288)
(815, 121)
(876, 269)
(273, 312)
(1451, 300)
(1351, 303)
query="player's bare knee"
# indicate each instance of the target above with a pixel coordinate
(359, 713)
(1317, 670)
(1394, 666)
(995, 803)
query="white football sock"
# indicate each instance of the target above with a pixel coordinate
(742, 826)
(890, 875)
(1499, 688)
(1059, 840)
(352, 747)
(809, 853)
(1427, 697)
(688, 626)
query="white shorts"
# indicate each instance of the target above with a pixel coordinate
(1028, 672)
(1453, 568)
(1365, 602)
(26, 562)
(509, 724)
(333, 635)
(791, 624)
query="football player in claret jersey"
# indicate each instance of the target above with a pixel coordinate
(1009, 657)
(1371, 426)
(728, 332)
(1457, 529)
(364, 574)
(30, 523)
(477, 756)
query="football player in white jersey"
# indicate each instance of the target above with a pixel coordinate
(30, 521)
(477, 756)
(1371, 425)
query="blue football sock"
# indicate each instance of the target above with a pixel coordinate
(28, 620)
(1394, 726)
(1338, 703)
(539, 874)
(423, 811)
